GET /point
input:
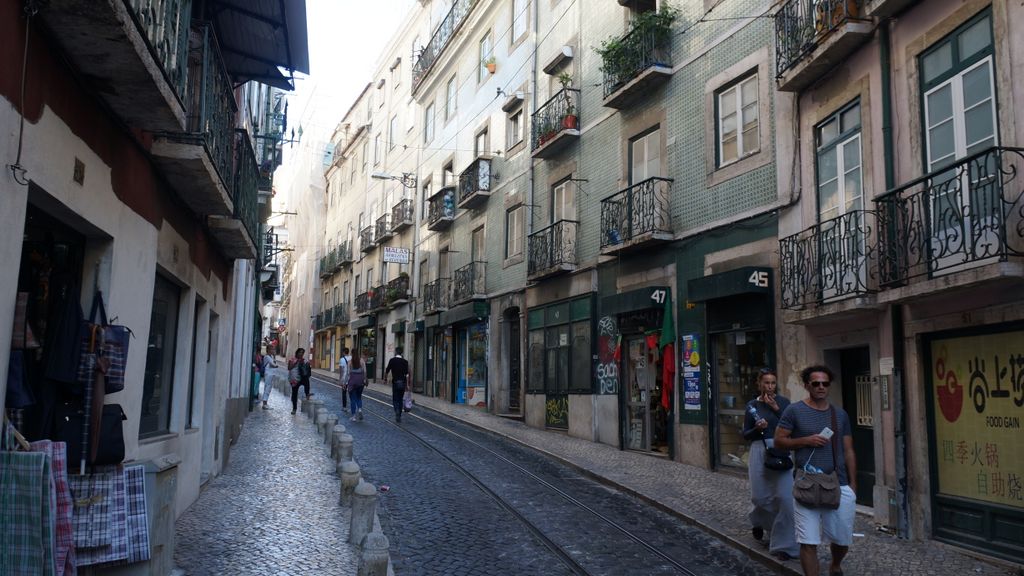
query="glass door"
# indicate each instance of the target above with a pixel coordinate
(640, 385)
(736, 358)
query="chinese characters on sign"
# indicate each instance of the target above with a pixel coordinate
(978, 385)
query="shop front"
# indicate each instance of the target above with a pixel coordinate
(637, 334)
(559, 356)
(366, 342)
(739, 326)
(974, 381)
(469, 326)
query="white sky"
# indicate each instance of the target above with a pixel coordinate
(345, 39)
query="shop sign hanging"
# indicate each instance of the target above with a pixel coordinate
(396, 255)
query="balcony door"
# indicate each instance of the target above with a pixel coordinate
(646, 207)
(563, 201)
(963, 203)
(842, 257)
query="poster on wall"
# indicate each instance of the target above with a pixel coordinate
(978, 402)
(690, 363)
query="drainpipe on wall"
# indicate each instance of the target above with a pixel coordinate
(896, 316)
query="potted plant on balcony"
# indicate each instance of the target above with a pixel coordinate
(490, 64)
(569, 119)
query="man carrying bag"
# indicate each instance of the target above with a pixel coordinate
(398, 367)
(824, 489)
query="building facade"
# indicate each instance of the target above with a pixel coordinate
(140, 177)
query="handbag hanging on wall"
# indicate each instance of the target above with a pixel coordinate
(109, 342)
(110, 445)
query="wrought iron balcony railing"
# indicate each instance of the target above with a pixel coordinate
(552, 250)
(475, 183)
(344, 253)
(318, 322)
(647, 45)
(559, 114)
(325, 268)
(382, 231)
(402, 215)
(164, 24)
(832, 260)
(397, 291)
(366, 243)
(445, 31)
(210, 101)
(638, 214)
(469, 283)
(340, 314)
(377, 297)
(968, 214)
(800, 25)
(246, 197)
(328, 315)
(441, 209)
(363, 303)
(435, 296)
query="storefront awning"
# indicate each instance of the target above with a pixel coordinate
(470, 311)
(364, 322)
(259, 38)
(650, 297)
(746, 280)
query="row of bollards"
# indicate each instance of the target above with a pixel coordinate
(361, 496)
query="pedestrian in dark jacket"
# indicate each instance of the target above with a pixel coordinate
(299, 373)
(398, 368)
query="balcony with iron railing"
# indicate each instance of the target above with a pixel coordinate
(437, 43)
(475, 183)
(328, 314)
(345, 254)
(325, 267)
(469, 283)
(636, 217)
(435, 296)
(402, 215)
(378, 299)
(340, 314)
(956, 226)
(366, 243)
(363, 304)
(198, 162)
(382, 229)
(318, 322)
(831, 261)
(552, 250)
(441, 209)
(234, 234)
(813, 36)
(134, 52)
(397, 291)
(555, 124)
(639, 61)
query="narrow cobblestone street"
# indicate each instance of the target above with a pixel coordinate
(274, 510)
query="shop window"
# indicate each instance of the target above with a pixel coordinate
(158, 382)
(581, 355)
(535, 379)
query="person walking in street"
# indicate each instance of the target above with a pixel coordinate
(266, 361)
(771, 490)
(807, 427)
(356, 383)
(299, 373)
(398, 368)
(343, 372)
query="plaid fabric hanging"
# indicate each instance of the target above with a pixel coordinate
(27, 515)
(138, 519)
(93, 500)
(117, 528)
(64, 549)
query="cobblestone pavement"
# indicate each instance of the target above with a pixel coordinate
(274, 510)
(718, 502)
(440, 521)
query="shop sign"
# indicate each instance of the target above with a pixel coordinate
(690, 363)
(978, 403)
(396, 255)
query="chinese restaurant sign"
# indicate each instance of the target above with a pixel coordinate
(978, 396)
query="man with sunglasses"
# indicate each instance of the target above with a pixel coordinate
(806, 428)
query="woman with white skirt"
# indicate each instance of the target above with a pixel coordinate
(771, 491)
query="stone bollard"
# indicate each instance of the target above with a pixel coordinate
(350, 478)
(364, 506)
(327, 431)
(345, 447)
(315, 404)
(319, 413)
(374, 559)
(336, 434)
(304, 405)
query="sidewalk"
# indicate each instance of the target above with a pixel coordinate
(274, 510)
(714, 501)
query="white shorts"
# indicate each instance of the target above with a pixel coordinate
(836, 524)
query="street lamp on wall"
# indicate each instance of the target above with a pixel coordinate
(407, 179)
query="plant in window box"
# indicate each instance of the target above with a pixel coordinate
(648, 43)
(569, 119)
(491, 64)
